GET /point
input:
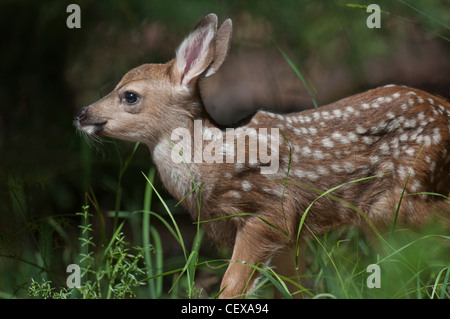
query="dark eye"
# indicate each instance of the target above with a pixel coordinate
(131, 97)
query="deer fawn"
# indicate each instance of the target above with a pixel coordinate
(398, 134)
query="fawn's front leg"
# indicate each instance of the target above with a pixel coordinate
(284, 265)
(255, 244)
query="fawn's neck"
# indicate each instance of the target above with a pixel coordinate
(181, 173)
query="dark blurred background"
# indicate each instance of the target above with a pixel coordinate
(48, 72)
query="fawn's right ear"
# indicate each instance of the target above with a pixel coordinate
(202, 52)
(196, 52)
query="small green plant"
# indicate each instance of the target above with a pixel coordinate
(108, 269)
(45, 290)
(114, 272)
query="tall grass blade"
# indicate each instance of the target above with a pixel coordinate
(177, 230)
(146, 231)
(273, 278)
(159, 260)
(123, 168)
(394, 224)
(444, 285)
(300, 76)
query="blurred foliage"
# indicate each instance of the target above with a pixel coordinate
(48, 72)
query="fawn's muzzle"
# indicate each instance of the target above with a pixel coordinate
(91, 124)
(82, 116)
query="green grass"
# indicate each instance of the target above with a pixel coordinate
(413, 265)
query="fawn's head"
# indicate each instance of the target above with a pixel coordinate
(152, 99)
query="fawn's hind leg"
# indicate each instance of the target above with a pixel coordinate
(410, 211)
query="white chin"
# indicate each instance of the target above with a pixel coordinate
(88, 129)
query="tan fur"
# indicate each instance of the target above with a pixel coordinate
(399, 134)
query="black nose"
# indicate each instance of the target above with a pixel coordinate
(82, 116)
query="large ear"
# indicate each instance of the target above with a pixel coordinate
(196, 52)
(223, 41)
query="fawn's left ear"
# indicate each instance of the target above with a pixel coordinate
(202, 52)
(222, 46)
